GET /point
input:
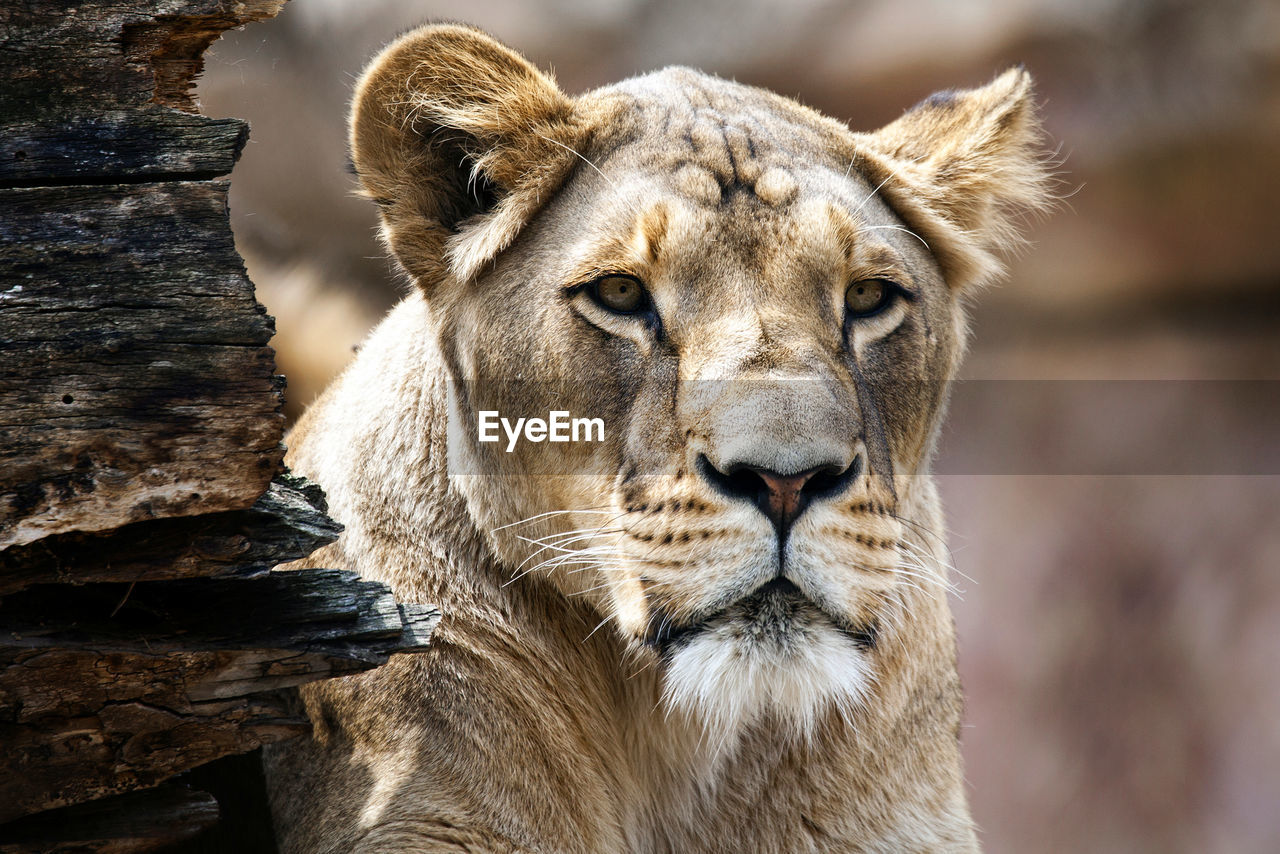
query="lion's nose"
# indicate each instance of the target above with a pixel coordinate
(781, 497)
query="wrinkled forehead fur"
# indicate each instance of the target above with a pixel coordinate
(453, 125)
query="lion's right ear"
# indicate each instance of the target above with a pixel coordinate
(459, 140)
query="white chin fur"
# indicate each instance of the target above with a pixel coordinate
(729, 679)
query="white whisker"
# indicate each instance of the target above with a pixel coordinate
(617, 191)
(873, 192)
(898, 228)
(548, 513)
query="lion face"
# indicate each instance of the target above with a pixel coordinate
(745, 523)
(759, 306)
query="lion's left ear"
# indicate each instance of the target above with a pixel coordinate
(974, 159)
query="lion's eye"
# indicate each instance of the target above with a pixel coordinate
(868, 296)
(619, 294)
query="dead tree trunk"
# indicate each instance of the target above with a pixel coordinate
(142, 497)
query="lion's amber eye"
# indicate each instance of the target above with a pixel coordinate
(868, 296)
(621, 294)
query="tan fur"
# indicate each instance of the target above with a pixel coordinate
(616, 678)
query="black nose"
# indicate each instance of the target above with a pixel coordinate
(781, 497)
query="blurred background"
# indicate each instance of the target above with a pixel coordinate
(1111, 466)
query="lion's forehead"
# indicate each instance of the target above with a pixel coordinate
(718, 140)
(716, 155)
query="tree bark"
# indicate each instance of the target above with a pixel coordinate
(110, 687)
(126, 317)
(142, 497)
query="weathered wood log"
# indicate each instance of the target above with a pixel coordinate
(155, 144)
(128, 746)
(123, 307)
(131, 823)
(126, 54)
(137, 380)
(141, 633)
(286, 523)
(110, 687)
(98, 92)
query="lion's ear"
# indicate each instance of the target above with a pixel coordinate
(974, 159)
(458, 139)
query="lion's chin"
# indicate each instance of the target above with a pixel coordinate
(774, 656)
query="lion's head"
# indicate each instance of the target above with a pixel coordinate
(762, 307)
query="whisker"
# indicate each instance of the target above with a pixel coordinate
(898, 228)
(564, 540)
(914, 565)
(616, 190)
(949, 563)
(599, 557)
(551, 546)
(873, 192)
(946, 565)
(590, 589)
(548, 513)
(596, 629)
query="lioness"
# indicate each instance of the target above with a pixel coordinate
(723, 625)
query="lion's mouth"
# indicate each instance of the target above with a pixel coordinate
(776, 614)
